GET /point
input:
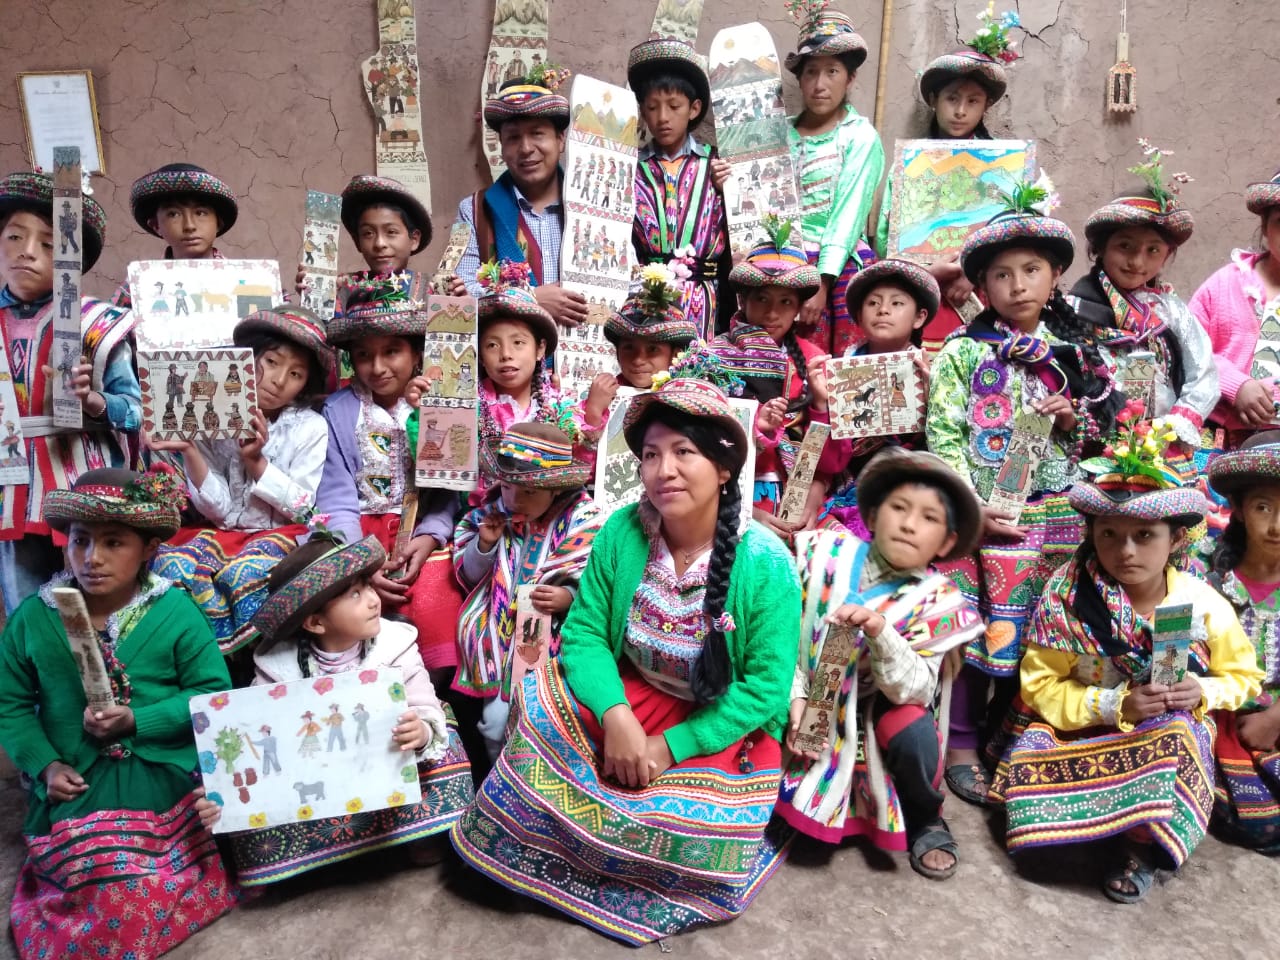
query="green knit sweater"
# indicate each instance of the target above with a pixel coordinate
(169, 655)
(764, 599)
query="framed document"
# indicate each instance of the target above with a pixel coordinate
(60, 110)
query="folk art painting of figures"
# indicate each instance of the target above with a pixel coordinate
(216, 386)
(309, 749)
(194, 304)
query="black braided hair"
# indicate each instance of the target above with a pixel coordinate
(1069, 327)
(711, 672)
(538, 386)
(791, 344)
(1230, 548)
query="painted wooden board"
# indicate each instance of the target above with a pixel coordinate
(195, 304)
(876, 395)
(751, 133)
(1027, 447)
(68, 257)
(599, 196)
(305, 750)
(1171, 642)
(83, 639)
(198, 394)
(518, 44)
(1266, 355)
(449, 260)
(532, 636)
(841, 643)
(14, 468)
(321, 227)
(677, 20)
(796, 493)
(582, 354)
(448, 415)
(392, 84)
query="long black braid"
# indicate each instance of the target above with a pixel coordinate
(791, 343)
(1069, 327)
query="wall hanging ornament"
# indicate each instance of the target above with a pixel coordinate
(1122, 79)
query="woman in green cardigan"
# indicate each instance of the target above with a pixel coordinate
(642, 767)
(117, 863)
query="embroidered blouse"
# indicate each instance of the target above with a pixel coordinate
(667, 627)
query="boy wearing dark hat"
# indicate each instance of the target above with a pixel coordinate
(880, 773)
(102, 377)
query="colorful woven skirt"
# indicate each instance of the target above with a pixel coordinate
(836, 333)
(277, 853)
(226, 572)
(689, 849)
(119, 883)
(1073, 788)
(1005, 578)
(1247, 795)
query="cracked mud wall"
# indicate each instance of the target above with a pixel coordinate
(267, 95)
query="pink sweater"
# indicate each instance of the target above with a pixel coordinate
(1227, 307)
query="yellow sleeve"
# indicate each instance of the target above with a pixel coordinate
(1060, 699)
(1234, 676)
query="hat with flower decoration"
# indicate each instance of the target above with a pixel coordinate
(750, 354)
(1160, 207)
(365, 191)
(297, 325)
(1132, 478)
(508, 296)
(176, 181)
(774, 264)
(982, 59)
(1256, 462)
(917, 280)
(698, 361)
(653, 312)
(311, 575)
(823, 33)
(1261, 197)
(539, 455)
(668, 56)
(33, 192)
(533, 96)
(1025, 222)
(150, 502)
(390, 305)
(695, 399)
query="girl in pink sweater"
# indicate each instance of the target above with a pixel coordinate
(1239, 307)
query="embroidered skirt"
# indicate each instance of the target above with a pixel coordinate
(226, 572)
(276, 853)
(1077, 787)
(1247, 795)
(638, 865)
(119, 883)
(1005, 578)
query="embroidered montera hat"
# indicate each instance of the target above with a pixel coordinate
(824, 33)
(915, 278)
(1261, 197)
(149, 502)
(392, 305)
(509, 296)
(1025, 222)
(1257, 461)
(1159, 207)
(676, 57)
(534, 96)
(535, 454)
(652, 313)
(774, 264)
(894, 466)
(697, 399)
(982, 59)
(365, 191)
(297, 325)
(34, 192)
(181, 180)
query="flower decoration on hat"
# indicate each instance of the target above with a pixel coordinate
(1152, 172)
(1135, 460)
(805, 12)
(387, 288)
(549, 75)
(160, 484)
(658, 290)
(496, 276)
(698, 362)
(992, 38)
(777, 229)
(1031, 198)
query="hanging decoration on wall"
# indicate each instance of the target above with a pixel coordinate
(518, 47)
(392, 84)
(1122, 79)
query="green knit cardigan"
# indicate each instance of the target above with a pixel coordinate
(764, 600)
(170, 655)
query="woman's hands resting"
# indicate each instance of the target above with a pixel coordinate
(631, 757)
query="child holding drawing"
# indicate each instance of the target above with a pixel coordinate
(535, 527)
(103, 380)
(253, 492)
(323, 618)
(112, 835)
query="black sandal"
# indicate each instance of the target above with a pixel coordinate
(936, 836)
(1133, 867)
(968, 781)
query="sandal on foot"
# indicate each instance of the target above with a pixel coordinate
(936, 836)
(968, 781)
(1132, 867)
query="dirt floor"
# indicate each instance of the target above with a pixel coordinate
(853, 903)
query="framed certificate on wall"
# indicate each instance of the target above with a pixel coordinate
(60, 110)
